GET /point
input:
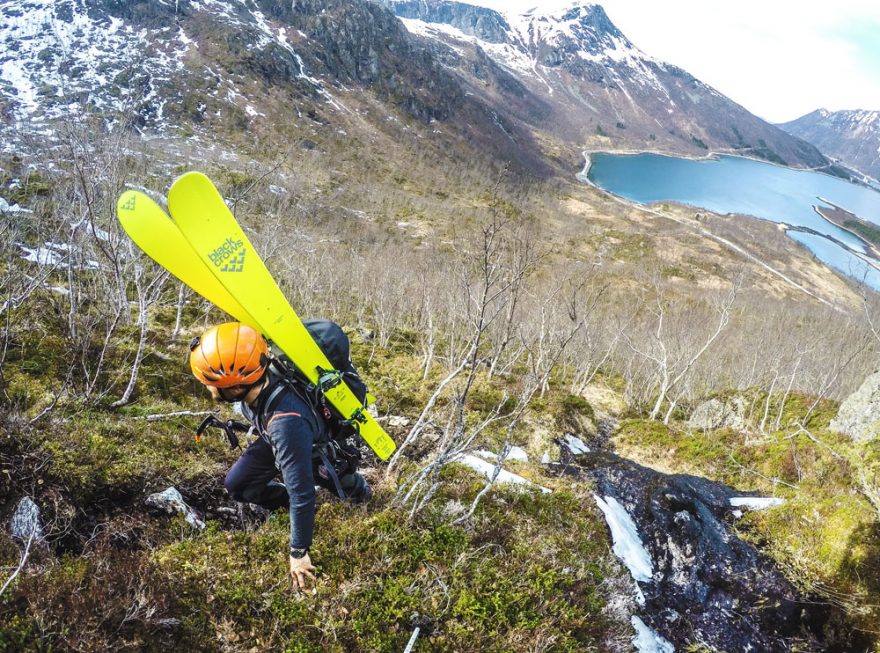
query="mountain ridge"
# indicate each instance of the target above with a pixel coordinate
(853, 136)
(601, 90)
(532, 89)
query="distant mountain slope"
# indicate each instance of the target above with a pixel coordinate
(228, 67)
(531, 89)
(851, 136)
(574, 73)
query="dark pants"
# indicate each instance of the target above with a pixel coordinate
(252, 479)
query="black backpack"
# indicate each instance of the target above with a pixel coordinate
(336, 347)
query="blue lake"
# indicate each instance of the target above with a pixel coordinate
(729, 184)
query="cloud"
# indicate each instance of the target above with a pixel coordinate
(778, 59)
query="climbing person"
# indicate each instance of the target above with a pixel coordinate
(233, 360)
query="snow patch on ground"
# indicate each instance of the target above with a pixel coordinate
(755, 503)
(627, 543)
(53, 254)
(41, 255)
(575, 444)
(647, 641)
(6, 207)
(515, 453)
(487, 469)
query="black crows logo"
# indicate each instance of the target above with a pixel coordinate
(235, 264)
(230, 254)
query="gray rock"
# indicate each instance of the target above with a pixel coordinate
(859, 414)
(171, 501)
(716, 414)
(26, 524)
(486, 24)
(398, 421)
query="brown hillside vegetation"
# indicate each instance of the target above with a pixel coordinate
(557, 305)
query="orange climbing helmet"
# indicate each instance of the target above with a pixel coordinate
(229, 354)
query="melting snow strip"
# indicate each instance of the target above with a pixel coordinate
(627, 543)
(755, 503)
(647, 641)
(487, 469)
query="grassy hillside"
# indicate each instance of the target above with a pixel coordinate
(563, 301)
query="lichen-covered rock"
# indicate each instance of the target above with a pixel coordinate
(26, 524)
(859, 414)
(716, 414)
(171, 501)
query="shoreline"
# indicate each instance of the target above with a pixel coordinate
(713, 155)
(582, 176)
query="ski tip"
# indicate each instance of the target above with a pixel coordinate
(127, 202)
(193, 176)
(135, 203)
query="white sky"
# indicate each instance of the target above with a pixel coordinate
(778, 58)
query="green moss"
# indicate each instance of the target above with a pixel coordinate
(488, 588)
(681, 272)
(628, 247)
(573, 414)
(31, 186)
(110, 600)
(99, 455)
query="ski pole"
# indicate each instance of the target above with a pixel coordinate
(419, 622)
(412, 640)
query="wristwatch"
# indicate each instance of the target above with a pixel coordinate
(298, 553)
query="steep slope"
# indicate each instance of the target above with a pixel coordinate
(574, 73)
(851, 136)
(232, 67)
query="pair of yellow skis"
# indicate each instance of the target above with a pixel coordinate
(206, 249)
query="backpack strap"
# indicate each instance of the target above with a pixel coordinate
(331, 470)
(272, 394)
(266, 401)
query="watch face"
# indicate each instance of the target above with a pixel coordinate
(298, 553)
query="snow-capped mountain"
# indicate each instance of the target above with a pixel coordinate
(851, 136)
(231, 68)
(587, 80)
(533, 88)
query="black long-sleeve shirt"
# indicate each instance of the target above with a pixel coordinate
(290, 426)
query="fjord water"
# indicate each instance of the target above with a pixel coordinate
(730, 184)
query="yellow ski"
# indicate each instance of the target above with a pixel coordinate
(152, 230)
(223, 248)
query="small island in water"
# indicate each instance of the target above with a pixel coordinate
(864, 230)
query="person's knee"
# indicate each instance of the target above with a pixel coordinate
(236, 485)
